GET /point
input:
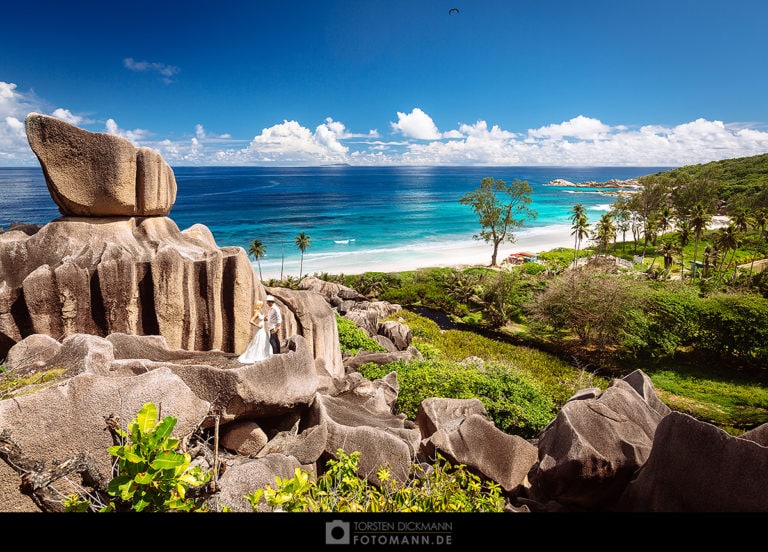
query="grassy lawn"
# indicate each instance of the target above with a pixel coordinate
(732, 400)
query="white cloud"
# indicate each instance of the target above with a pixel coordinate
(167, 72)
(67, 115)
(290, 143)
(582, 128)
(14, 108)
(416, 124)
(137, 136)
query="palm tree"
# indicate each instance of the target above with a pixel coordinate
(760, 218)
(578, 211)
(742, 220)
(710, 258)
(578, 227)
(699, 221)
(604, 232)
(580, 231)
(684, 237)
(727, 239)
(668, 251)
(623, 218)
(257, 250)
(664, 222)
(302, 242)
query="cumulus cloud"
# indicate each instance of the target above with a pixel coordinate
(15, 105)
(417, 125)
(583, 141)
(136, 136)
(68, 116)
(582, 128)
(290, 143)
(166, 72)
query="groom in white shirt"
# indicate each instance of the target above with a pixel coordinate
(274, 320)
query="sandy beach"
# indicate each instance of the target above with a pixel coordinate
(464, 253)
(457, 254)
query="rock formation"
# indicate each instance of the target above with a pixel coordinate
(114, 262)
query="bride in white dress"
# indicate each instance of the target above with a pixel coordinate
(259, 347)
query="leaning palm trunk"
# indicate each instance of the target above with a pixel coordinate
(695, 256)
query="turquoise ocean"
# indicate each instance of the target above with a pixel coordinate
(357, 218)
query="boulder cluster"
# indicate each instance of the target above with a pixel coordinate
(120, 309)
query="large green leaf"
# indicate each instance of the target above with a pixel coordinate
(123, 486)
(146, 419)
(131, 456)
(164, 429)
(168, 460)
(116, 450)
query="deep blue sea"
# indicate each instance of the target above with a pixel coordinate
(357, 218)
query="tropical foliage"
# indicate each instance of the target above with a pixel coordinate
(257, 250)
(441, 488)
(352, 339)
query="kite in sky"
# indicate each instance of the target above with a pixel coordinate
(453, 10)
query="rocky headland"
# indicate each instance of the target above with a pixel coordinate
(124, 309)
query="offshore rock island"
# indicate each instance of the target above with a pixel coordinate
(631, 184)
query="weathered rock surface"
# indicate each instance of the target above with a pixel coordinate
(98, 174)
(697, 467)
(619, 450)
(55, 423)
(592, 449)
(130, 275)
(308, 314)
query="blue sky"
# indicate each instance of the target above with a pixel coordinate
(366, 82)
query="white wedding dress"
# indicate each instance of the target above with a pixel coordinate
(259, 347)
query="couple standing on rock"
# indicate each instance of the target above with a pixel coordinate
(265, 341)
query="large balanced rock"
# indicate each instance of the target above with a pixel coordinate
(93, 174)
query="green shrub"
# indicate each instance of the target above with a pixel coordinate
(672, 312)
(559, 380)
(444, 488)
(352, 338)
(515, 402)
(561, 257)
(533, 269)
(736, 326)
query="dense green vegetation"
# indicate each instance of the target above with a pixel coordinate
(741, 182)
(352, 338)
